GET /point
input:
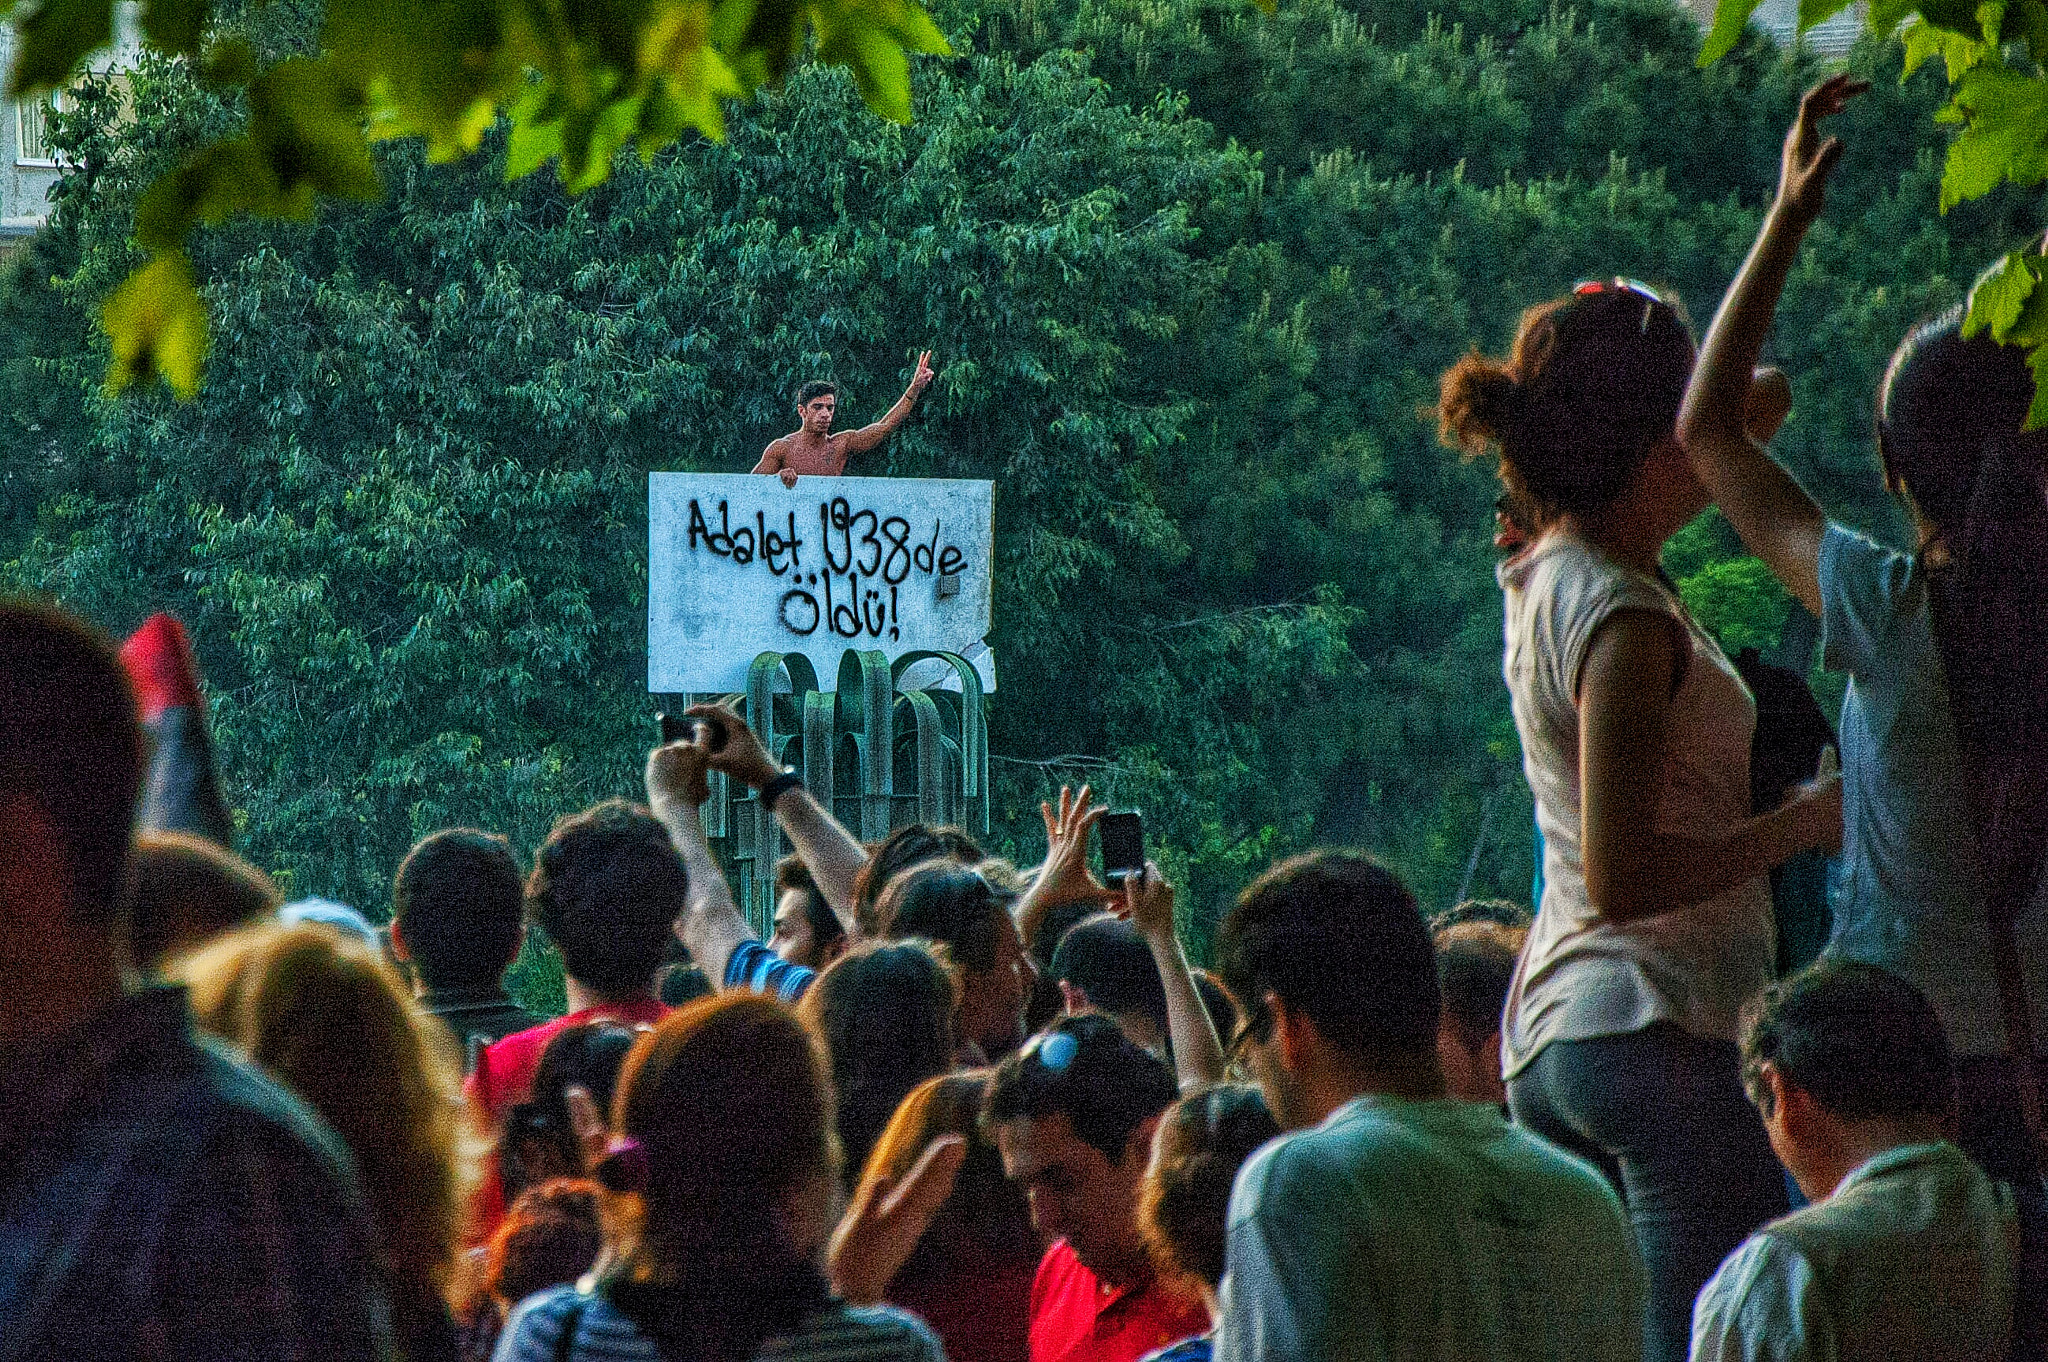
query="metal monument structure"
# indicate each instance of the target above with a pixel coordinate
(878, 753)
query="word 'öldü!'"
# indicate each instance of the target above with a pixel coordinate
(854, 592)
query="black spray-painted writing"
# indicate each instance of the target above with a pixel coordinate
(868, 558)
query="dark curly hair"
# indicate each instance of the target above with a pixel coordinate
(607, 887)
(1203, 1140)
(1591, 385)
(456, 900)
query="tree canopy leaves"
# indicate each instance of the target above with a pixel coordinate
(1190, 274)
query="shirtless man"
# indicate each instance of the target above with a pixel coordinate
(814, 449)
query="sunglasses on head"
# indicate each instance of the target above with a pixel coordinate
(1651, 298)
(1053, 1050)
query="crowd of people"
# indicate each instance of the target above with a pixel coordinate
(956, 1108)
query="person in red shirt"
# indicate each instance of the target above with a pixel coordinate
(1073, 1114)
(607, 888)
(815, 448)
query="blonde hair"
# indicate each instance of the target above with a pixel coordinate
(330, 1020)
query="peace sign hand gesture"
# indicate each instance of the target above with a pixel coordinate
(1808, 161)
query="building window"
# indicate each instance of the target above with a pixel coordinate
(32, 128)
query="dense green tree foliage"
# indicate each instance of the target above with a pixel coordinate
(1190, 273)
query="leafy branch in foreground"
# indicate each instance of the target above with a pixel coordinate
(1994, 53)
(578, 79)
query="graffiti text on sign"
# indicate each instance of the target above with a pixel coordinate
(868, 558)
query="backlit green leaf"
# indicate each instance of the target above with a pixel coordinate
(1731, 17)
(2004, 137)
(175, 25)
(54, 37)
(1996, 301)
(157, 324)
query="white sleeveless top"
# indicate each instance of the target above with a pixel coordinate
(1582, 976)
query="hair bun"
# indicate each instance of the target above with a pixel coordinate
(1479, 402)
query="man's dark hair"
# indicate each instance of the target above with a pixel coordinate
(1053, 927)
(912, 844)
(1338, 938)
(1088, 1070)
(1107, 959)
(948, 903)
(1475, 961)
(1503, 912)
(456, 900)
(792, 874)
(71, 744)
(1862, 1041)
(815, 389)
(607, 887)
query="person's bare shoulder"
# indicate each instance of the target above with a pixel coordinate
(775, 456)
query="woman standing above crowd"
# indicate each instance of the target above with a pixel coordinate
(1945, 724)
(1655, 923)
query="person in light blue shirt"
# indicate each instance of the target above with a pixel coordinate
(1395, 1221)
(1907, 1249)
(1944, 726)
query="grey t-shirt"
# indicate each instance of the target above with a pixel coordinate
(1405, 1229)
(1912, 895)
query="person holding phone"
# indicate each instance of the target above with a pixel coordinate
(1944, 726)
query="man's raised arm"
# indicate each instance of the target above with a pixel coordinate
(867, 437)
(833, 855)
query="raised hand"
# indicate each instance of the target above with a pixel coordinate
(1065, 876)
(675, 777)
(886, 1219)
(922, 379)
(1809, 160)
(1148, 903)
(741, 755)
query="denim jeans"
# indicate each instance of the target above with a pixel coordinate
(1662, 1113)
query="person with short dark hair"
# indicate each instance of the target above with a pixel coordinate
(1103, 963)
(1906, 1249)
(456, 906)
(815, 449)
(157, 1197)
(807, 931)
(946, 902)
(1475, 962)
(884, 1012)
(1202, 1142)
(607, 887)
(1395, 1221)
(1073, 1114)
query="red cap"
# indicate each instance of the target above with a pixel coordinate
(159, 658)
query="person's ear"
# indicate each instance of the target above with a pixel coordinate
(399, 950)
(1293, 1032)
(1076, 998)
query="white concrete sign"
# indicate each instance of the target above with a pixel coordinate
(739, 565)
